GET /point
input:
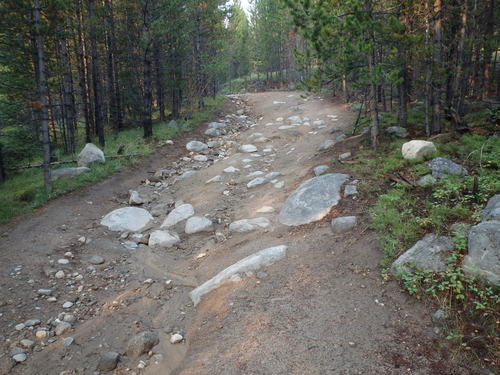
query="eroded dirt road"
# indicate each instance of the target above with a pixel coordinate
(323, 309)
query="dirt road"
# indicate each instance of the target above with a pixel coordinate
(323, 309)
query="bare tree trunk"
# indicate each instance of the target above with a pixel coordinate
(435, 126)
(96, 74)
(147, 109)
(2, 166)
(82, 74)
(113, 89)
(373, 86)
(42, 94)
(160, 91)
(68, 96)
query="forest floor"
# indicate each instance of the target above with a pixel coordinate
(323, 309)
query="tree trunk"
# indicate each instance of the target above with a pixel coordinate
(96, 74)
(160, 91)
(435, 126)
(2, 166)
(82, 74)
(42, 94)
(147, 109)
(68, 96)
(113, 89)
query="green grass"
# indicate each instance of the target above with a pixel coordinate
(23, 191)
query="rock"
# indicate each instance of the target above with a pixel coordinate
(163, 238)
(201, 158)
(68, 341)
(67, 305)
(185, 175)
(345, 155)
(417, 149)
(108, 361)
(216, 125)
(246, 266)
(28, 344)
(42, 334)
(63, 261)
(427, 180)
(442, 167)
(44, 292)
(142, 343)
(21, 357)
(430, 254)
(319, 122)
(248, 148)
(255, 174)
(62, 328)
(127, 219)
(32, 322)
(272, 175)
(213, 144)
(398, 131)
(312, 200)
(295, 119)
(483, 257)
(249, 225)
(96, 259)
(176, 338)
(196, 146)
(135, 199)
(212, 132)
(343, 224)
(265, 210)
(214, 179)
(196, 224)
(173, 124)
(20, 326)
(492, 209)
(231, 170)
(177, 215)
(320, 169)
(60, 275)
(279, 185)
(256, 182)
(439, 316)
(67, 172)
(326, 144)
(89, 155)
(350, 190)
(130, 245)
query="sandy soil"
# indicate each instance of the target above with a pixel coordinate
(324, 309)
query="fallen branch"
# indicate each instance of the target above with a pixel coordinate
(72, 161)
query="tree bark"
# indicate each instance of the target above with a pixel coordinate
(42, 94)
(68, 96)
(96, 74)
(435, 126)
(113, 87)
(147, 109)
(160, 91)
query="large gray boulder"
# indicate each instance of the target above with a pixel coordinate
(417, 149)
(196, 146)
(197, 224)
(398, 131)
(442, 167)
(163, 238)
(89, 155)
(127, 219)
(177, 215)
(430, 254)
(312, 200)
(483, 258)
(246, 266)
(492, 209)
(68, 172)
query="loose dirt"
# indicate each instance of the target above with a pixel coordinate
(324, 309)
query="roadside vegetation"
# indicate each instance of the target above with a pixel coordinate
(403, 212)
(23, 191)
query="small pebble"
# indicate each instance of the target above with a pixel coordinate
(176, 338)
